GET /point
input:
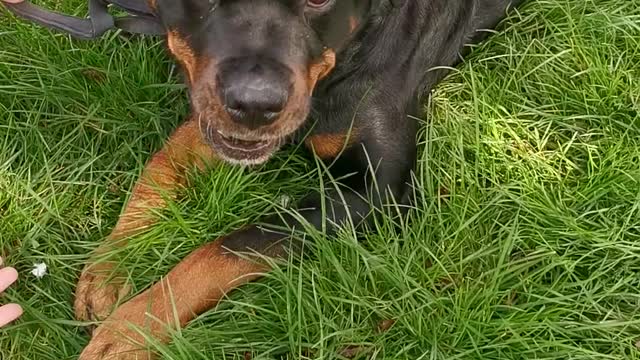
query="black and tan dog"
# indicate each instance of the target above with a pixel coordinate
(255, 70)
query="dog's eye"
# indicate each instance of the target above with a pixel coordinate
(318, 4)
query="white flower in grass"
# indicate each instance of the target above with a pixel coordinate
(39, 270)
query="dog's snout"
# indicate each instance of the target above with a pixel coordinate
(254, 93)
(255, 100)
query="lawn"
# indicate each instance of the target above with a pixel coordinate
(524, 242)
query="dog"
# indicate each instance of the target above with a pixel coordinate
(343, 77)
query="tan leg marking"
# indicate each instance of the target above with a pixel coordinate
(195, 285)
(99, 288)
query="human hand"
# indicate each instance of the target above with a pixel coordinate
(8, 276)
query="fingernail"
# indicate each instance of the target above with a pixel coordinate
(7, 277)
(9, 312)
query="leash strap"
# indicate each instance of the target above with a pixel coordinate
(140, 21)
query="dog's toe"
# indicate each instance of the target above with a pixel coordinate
(97, 294)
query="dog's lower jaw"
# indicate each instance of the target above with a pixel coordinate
(235, 154)
(247, 162)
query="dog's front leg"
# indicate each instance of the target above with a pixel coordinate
(100, 286)
(195, 285)
(198, 282)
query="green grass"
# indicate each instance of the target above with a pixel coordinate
(524, 244)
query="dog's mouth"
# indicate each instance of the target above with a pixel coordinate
(242, 151)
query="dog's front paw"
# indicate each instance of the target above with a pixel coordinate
(115, 343)
(124, 334)
(98, 290)
(111, 344)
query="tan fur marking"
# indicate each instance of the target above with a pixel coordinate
(195, 285)
(321, 68)
(196, 288)
(164, 173)
(183, 53)
(327, 146)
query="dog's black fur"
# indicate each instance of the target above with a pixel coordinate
(387, 55)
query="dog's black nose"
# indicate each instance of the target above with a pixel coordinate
(254, 93)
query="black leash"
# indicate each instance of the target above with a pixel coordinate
(140, 21)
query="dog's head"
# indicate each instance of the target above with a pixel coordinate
(252, 65)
